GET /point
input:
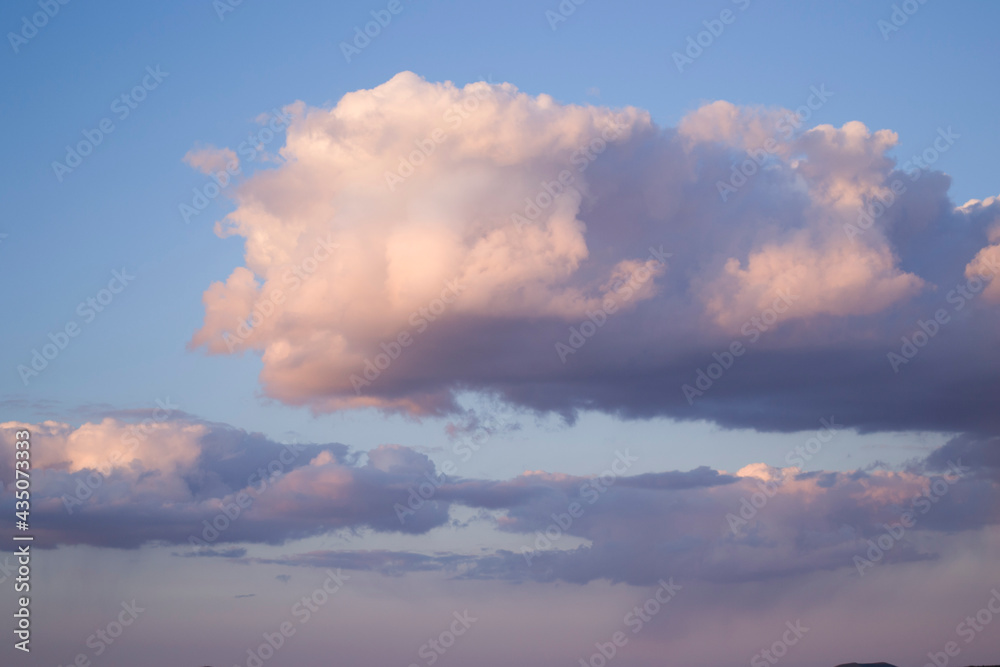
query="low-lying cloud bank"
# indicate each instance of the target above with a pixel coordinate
(212, 488)
(420, 239)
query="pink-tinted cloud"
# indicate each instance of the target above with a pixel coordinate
(211, 160)
(220, 487)
(421, 239)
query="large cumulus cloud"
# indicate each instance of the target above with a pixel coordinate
(417, 241)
